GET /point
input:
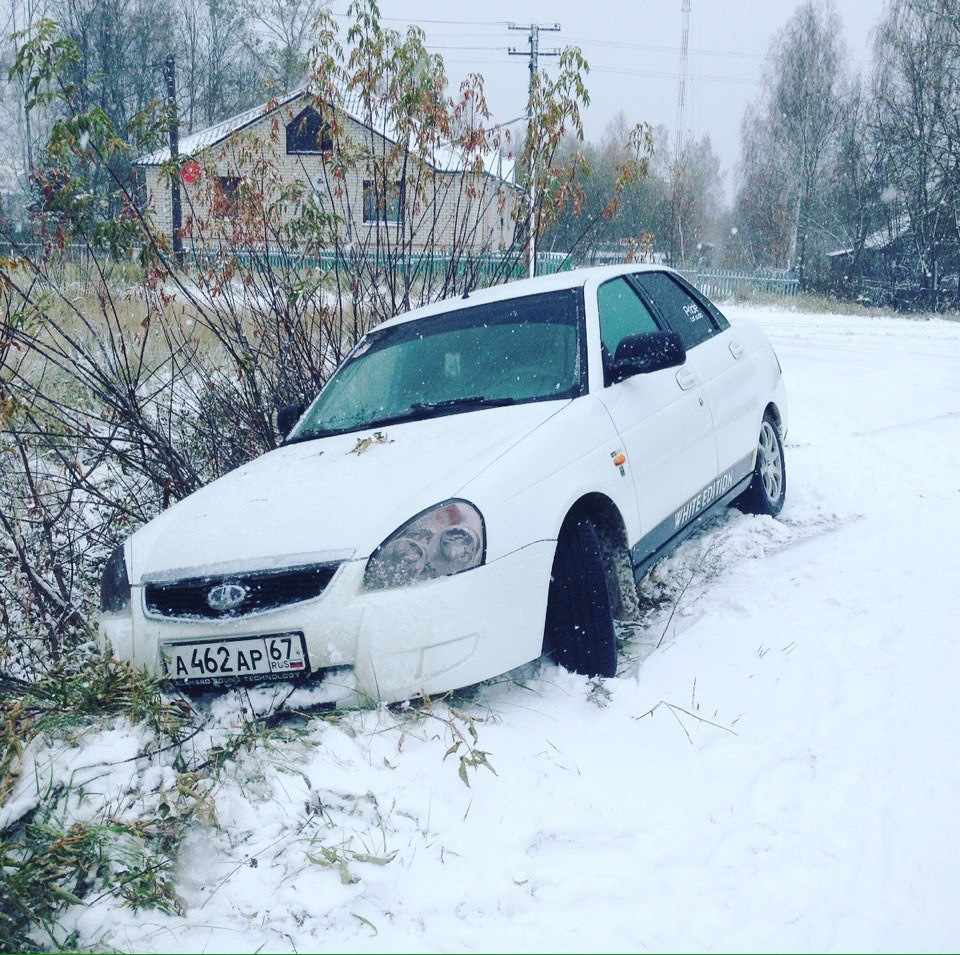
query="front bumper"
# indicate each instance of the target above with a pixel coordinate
(422, 639)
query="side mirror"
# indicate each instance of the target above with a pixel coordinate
(641, 354)
(288, 416)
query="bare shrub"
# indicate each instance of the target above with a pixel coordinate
(129, 379)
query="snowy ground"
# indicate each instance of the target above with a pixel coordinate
(775, 768)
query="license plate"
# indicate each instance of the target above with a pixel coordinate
(271, 657)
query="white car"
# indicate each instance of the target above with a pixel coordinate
(481, 482)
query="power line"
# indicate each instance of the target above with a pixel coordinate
(473, 61)
(579, 39)
(592, 41)
(485, 49)
(666, 49)
(470, 34)
(650, 47)
(466, 23)
(624, 71)
(668, 75)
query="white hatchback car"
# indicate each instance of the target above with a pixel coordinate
(481, 482)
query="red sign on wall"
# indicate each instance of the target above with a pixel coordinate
(190, 171)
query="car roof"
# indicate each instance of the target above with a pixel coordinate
(572, 278)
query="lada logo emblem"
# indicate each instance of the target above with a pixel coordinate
(227, 596)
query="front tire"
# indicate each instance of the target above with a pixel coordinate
(768, 489)
(579, 633)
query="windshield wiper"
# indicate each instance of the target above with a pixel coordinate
(474, 401)
(416, 411)
(362, 426)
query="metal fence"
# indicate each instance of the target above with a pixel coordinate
(727, 283)
(486, 267)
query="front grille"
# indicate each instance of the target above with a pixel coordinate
(261, 590)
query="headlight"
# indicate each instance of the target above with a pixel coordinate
(444, 540)
(114, 585)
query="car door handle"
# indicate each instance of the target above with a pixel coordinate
(686, 379)
(736, 349)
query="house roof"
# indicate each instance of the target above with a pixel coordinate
(445, 158)
(881, 238)
(205, 138)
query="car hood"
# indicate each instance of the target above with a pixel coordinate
(332, 498)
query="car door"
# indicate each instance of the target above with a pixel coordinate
(721, 363)
(662, 418)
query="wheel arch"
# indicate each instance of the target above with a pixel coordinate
(611, 528)
(774, 412)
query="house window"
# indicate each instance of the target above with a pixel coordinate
(308, 134)
(380, 207)
(225, 197)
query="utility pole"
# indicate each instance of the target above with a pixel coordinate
(170, 74)
(676, 252)
(533, 34)
(684, 69)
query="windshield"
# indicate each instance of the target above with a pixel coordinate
(519, 350)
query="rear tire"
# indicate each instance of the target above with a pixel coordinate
(768, 489)
(579, 633)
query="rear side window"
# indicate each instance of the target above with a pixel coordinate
(719, 319)
(622, 313)
(686, 315)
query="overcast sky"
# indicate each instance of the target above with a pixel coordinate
(633, 47)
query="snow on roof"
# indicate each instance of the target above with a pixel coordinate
(445, 158)
(879, 239)
(205, 138)
(516, 288)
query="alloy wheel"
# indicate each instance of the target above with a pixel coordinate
(771, 462)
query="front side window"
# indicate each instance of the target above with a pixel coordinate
(622, 313)
(684, 313)
(511, 352)
(378, 206)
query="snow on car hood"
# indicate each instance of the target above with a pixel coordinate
(319, 496)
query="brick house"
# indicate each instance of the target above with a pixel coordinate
(464, 204)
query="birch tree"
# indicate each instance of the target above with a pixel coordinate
(789, 134)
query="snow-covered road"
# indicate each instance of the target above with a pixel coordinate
(775, 768)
